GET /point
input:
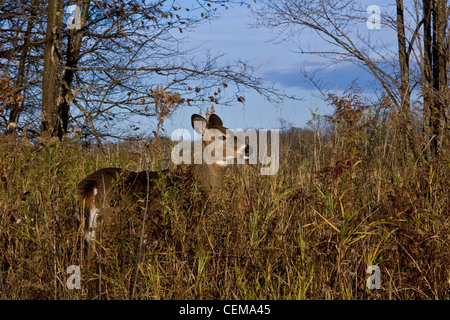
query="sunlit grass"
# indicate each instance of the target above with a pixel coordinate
(309, 232)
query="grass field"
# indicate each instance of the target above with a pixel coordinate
(349, 194)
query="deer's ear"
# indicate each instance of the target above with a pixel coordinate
(214, 121)
(198, 123)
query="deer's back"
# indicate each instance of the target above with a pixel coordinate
(104, 184)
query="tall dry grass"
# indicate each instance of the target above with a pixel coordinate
(344, 198)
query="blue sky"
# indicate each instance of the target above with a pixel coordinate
(277, 63)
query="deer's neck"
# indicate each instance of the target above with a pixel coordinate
(211, 177)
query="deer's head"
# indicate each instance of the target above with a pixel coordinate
(221, 145)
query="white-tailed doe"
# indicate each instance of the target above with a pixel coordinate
(96, 191)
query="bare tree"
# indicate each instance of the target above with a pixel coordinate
(96, 64)
(20, 49)
(404, 87)
(50, 83)
(337, 23)
(435, 72)
(73, 50)
(133, 61)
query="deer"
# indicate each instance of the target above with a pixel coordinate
(96, 191)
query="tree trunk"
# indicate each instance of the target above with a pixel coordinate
(440, 73)
(405, 93)
(73, 55)
(51, 74)
(435, 73)
(427, 79)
